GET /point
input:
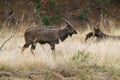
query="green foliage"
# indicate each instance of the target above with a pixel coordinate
(103, 69)
(108, 1)
(38, 5)
(86, 10)
(118, 61)
(55, 19)
(6, 2)
(50, 20)
(106, 11)
(115, 72)
(45, 19)
(81, 58)
(98, 1)
(4, 78)
(52, 3)
(84, 76)
(83, 13)
(81, 16)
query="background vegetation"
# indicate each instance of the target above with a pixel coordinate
(79, 12)
(75, 59)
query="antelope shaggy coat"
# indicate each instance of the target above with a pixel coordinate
(44, 34)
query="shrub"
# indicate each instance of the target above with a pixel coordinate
(83, 13)
(86, 10)
(98, 1)
(38, 5)
(106, 11)
(108, 1)
(52, 3)
(55, 19)
(81, 16)
(45, 19)
(81, 58)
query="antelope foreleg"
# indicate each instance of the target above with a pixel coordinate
(22, 50)
(24, 47)
(32, 51)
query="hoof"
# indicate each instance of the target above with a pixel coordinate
(22, 50)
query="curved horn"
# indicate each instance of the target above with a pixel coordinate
(67, 22)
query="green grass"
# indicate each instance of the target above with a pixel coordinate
(80, 58)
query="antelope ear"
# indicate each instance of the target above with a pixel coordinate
(97, 26)
(96, 29)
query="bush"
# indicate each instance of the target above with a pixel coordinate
(55, 19)
(83, 13)
(38, 5)
(108, 1)
(106, 11)
(81, 16)
(50, 21)
(80, 58)
(52, 3)
(45, 19)
(86, 10)
(98, 1)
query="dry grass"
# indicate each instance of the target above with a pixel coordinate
(72, 54)
(103, 53)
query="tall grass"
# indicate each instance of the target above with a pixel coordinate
(73, 52)
(103, 53)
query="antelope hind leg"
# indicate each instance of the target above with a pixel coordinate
(33, 48)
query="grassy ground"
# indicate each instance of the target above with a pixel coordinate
(75, 59)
